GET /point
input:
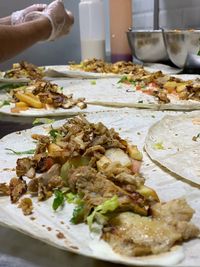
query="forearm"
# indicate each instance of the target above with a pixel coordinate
(15, 39)
(5, 21)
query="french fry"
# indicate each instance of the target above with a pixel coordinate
(21, 104)
(31, 101)
(31, 95)
(18, 109)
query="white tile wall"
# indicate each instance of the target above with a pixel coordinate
(173, 14)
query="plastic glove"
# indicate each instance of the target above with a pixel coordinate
(18, 17)
(61, 20)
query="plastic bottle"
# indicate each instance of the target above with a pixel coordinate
(92, 29)
(120, 21)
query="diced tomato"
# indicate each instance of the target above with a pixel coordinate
(138, 87)
(152, 84)
(18, 109)
(148, 92)
(136, 165)
(44, 164)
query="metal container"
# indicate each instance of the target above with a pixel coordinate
(147, 45)
(183, 47)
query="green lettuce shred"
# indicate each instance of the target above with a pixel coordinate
(93, 82)
(108, 206)
(43, 121)
(123, 79)
(27, 152)
(158, 146)
(58, 200)
(78, 213)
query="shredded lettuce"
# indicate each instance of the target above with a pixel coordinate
(54, 133)
(4, 103)
(123, 79)
(58, 200)
(93, 82)
(108, 206)
(158, 146)
(8, 86)
(73, 198)
(27, 152)
(43, 120)
(78, 213)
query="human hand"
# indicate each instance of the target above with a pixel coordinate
(18, 17)
(61, 19)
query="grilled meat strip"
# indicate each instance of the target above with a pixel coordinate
(96, 189)
(134, 235)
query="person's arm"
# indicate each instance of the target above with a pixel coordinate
(15, 39)
(5, 21)
(18, 16)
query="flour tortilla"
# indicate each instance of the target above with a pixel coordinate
(66, 71)
(166, 69)
(12, 80)
(132, 125)
(180, 153)
(33, 112)
(108, 92)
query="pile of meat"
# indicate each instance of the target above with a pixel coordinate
(25, 70)
(100, 66)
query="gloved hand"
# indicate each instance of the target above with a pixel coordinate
(18, 17)
(61, 20)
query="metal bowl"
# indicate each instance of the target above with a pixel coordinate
(183, 47)
(147, 45)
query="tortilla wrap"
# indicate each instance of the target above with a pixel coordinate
(13, 80)
(179, 147)
(108, 92)
(133, 125)
(163, 67)
(66, 71)
(33, 112)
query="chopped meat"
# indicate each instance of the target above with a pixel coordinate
(43, 143)
(47, 95)
(43, 192)
(32, 186)
(117, 173)
(26, 205)
(133, 235)
(54, 171)
(17, 188)
(169, 225)
(120, 67)
(96, 189)
(23, 166)
(44, 164)
(46, 183)
(4, 189)
(176, 213)
(24, 69)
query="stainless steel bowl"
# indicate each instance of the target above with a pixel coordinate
(147, 45)
(183, 47)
